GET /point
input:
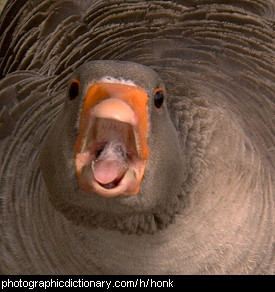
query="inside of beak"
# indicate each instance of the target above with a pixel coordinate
(111, 148)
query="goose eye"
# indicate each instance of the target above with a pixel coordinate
(158, 98)
(74, 89)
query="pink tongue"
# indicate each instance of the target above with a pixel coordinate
(106, 171)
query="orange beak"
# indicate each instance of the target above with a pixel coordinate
(111, 148)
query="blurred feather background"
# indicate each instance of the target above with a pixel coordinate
(2, 4)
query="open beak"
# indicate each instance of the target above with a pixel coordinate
(111, 148)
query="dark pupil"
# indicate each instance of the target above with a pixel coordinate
(158, 99)
(73, 90)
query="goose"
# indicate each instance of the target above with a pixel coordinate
(137, 137)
